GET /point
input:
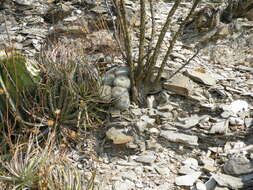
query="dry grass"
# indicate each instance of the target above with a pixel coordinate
(40, 167)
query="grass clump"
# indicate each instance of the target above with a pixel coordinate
(41, 168)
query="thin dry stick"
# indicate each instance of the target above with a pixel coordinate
(175, 37)
(128, 46)
(142, 35)
(126, 32)
(150, 49)
(115, 28)
(161, 38)
(153, 28)
(184, 65)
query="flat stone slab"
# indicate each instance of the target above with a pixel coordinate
(179, 137)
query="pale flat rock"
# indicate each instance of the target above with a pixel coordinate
(204, 78)
(118, 137)
(228, 181)
(163, 170)
(192, 162)
(237, 106)
(248, 122)
(211, 184)
(180, 84)
(188, 122)
(118, 185)
(146, 158)
(221, 188)
(187, 180)
(179, 137)
(150, 121)
(164, 186)
(238, 166)
(130, 175)
(200, 186)
(219, 127)
(186, 170)
(25, 2)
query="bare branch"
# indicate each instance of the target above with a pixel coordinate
(142, 35)
(161, 37)
(175, 37)
(184, 65)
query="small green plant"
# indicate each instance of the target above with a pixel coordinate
(15, 80)
(40, 167)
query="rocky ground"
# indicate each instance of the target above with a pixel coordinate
(196, 133)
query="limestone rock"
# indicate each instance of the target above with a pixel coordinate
(118, 137)
(238, 166)
(187, 180)
(179, 137)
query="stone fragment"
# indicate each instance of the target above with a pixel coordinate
(118, 185)
(235, 121)
(187, 180)
(220, 188)
(189, 122)
(210, 184)
(146, 158)
(248, 122)
(141, 125)
(150, 121)
(228, 181)
(186, 170)
(166, 107)
(204, 78)
(219, 127)
(118, 137)
(200, 186)
(154, 131)
(209, 164)
(179, 137)
(180, 84)
(164, 186)
(151, 103)
(237, 106)
(130, 175)
(238, 166)
(122, 81)
(163, 170)
(25, 2)
(190, 166)
(192, 162)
